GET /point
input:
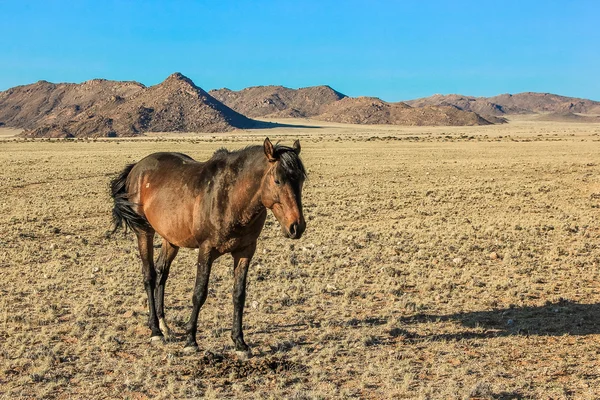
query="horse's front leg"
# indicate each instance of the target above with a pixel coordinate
(205, 260)
(241, 259)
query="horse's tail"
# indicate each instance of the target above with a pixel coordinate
(123, 213)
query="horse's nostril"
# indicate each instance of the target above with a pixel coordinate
(293, 229)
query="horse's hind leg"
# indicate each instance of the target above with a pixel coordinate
(163, 265)
(145, 244)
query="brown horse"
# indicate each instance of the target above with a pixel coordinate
(218, 206)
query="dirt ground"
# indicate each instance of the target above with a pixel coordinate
(438, 263)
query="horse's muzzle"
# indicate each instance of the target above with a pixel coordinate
(296, 230)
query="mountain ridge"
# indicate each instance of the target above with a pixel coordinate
(101, 107)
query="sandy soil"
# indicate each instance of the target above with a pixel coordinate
(9, 132)
(437, 263)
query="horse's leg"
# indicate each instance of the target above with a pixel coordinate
(205, 260)
(145, 244)
(163, 265)
(241, 259)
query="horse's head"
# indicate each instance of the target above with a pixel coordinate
(281, 189)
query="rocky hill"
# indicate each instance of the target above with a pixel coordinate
(546, 102)
(326, 104)
(521, 103)
(44, 103)
(371, 110)
(278, 101)
(110, 108)
(479, 105)
(568, 117)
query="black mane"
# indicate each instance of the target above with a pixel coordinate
(290, 164)
(221, 153)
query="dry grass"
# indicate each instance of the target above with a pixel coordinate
(437, 263)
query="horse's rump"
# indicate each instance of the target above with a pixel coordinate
(123, 213)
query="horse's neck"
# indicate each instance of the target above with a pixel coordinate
(246, 201)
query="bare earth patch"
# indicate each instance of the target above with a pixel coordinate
(437, 263)
(9, 132)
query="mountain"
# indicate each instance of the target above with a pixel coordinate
(546, 102)
(371, 110)
(111, 108)
(521, 103)
(479, 105)
(44, 102)
(568, 117)
(326, 104)
(278, 101)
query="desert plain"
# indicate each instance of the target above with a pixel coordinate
(438, 263)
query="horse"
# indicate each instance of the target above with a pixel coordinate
(218, 207)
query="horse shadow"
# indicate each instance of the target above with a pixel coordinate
(560, 318)
(564, 317)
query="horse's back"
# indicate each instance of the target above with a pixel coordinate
(162, 168)
(164, 160)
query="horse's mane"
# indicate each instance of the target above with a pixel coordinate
(223, 152)
(290, 164)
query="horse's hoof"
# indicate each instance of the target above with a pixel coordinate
(190, 349)
(243, 355)
(157, 339)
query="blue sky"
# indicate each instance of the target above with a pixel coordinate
(395, 50)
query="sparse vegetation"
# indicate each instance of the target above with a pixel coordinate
(448, 262)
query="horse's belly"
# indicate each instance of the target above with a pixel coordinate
(177, 237)
(172, 218)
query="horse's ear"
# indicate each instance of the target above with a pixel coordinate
(296, 146)
(269, 150)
